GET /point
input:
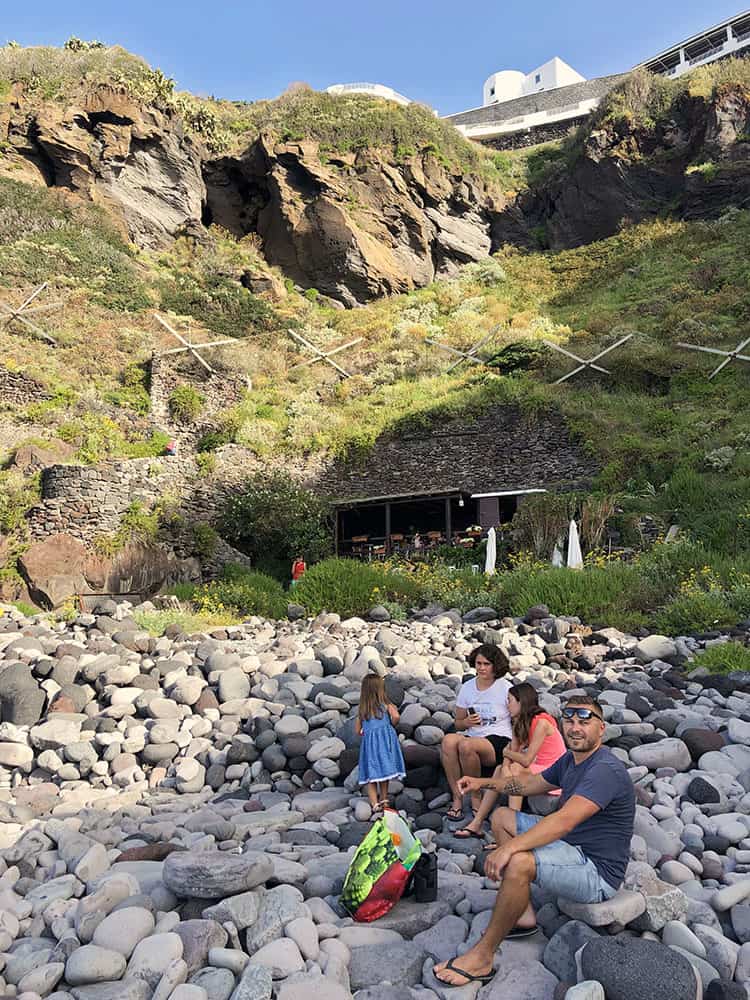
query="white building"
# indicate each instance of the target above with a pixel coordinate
(728, 38)
(509, 84)
(372, 89)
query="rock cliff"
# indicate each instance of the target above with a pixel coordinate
(136, 160)
(354, 225)
(693, 162)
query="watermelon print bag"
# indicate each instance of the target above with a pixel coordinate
(380, 868)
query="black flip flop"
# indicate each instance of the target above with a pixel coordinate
(454, 814)
(484, 980)
(465, 834)
(521, 932)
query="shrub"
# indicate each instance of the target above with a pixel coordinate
(185, 403)
(218, 302)
(539, 522)
(694, 611)
(349, 587)
(205, 540)
(598, 595)
(242, 592)
(724, 658)
(274, 519)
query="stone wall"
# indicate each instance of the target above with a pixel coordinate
(89, 501)
(534, 135)
(17, 389)
(220, 391)
(499, 450)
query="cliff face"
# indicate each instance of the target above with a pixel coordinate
(356, 225)
(135, 160)
(626, 172)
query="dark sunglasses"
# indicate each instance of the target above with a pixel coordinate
(584, 714)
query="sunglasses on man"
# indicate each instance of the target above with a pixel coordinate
(583, 714)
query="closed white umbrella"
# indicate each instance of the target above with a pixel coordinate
(575, 556)
(491, 556)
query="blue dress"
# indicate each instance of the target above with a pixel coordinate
(380, 756)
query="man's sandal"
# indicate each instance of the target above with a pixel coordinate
(521, 932)
(455, 813)
(465, 833)
(450, 964)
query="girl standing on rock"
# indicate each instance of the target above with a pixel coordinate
(536, 745)
(483, 727)
(380, 757)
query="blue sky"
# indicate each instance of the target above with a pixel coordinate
(431, 50)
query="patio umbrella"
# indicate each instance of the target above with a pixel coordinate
(491, 556)
(575, 557)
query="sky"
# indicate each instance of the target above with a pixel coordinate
(434, 51)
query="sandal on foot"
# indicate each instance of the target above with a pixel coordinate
(454, 813)
(521, 932)
(465, 833)
(450, 964)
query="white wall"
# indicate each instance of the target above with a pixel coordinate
(511, 83)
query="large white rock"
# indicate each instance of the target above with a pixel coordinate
(124, 929)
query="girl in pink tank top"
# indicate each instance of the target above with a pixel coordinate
(536, 745)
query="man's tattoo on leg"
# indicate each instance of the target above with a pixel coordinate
(513, 787)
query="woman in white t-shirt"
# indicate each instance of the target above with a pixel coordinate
(483, 723)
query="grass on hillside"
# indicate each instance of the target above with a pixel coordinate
(723, 658)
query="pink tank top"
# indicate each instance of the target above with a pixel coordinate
(553, 747)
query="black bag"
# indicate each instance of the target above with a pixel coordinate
(423, 882)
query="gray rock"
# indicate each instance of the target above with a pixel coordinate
(666, 753)
(218, 983)
(256, 984)
(278, 907)
(441, 941)
(241, 909)
(629, 967)
(409, 918)
(623, 907)
(91, 964)
(560, 953)
(397, 964)
(123, 989)
(522, 981)
(655, 647)
(214, 874)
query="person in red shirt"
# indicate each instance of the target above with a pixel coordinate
(298, 568)
(536, 745)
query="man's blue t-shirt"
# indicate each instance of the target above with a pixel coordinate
(605, 836)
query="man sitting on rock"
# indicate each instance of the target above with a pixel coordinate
(579, 852)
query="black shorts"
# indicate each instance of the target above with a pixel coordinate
(499, 743)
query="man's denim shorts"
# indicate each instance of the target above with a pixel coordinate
(565, 870)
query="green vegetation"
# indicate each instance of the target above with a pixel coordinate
(274, 519)
(724, 658)
(352, 588)
(242, 592)
(185, 403)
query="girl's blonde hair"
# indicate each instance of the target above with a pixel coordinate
(372, 697)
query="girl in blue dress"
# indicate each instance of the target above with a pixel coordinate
(380, 757)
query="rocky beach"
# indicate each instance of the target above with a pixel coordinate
(177, 814)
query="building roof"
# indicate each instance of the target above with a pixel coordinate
(697, 37)
(544, 100)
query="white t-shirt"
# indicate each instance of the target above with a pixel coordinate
(491, 704)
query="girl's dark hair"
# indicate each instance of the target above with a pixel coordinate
(527, 697)
(372, 697)
(497, 657)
